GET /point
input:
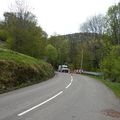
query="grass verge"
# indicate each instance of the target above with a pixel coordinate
(115, 87)
(19, 70)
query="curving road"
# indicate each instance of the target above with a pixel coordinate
(63, 97)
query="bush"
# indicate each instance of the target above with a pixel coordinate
(111, 65)
(3, 35)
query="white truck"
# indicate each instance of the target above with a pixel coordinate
(63, 68)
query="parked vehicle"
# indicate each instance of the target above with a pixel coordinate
(63, 68)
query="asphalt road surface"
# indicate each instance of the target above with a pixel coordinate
(63, 97)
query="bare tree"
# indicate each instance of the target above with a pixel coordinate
(95, 24)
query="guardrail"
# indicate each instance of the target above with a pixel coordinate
(93, 73)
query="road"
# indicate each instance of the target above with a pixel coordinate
(63, 97)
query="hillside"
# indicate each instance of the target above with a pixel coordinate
(78, 37)
(18, 70)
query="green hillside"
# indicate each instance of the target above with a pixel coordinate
(18, 70)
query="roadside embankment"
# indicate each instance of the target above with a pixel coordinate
(19, 70)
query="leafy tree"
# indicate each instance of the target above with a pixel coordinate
(63, 53)
(92, 52)
(113, 15)
(27, 37)
(111, 64)
(51, 54)
(3, 35)
(62, 46)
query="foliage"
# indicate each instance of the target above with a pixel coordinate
(28, 38)
(111, 64)
(3, 35)
(62, 46)
(113, 15)
(51, 54)
(103, 50)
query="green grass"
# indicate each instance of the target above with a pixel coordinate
(115, 87)
(18, 57)
(19, 70)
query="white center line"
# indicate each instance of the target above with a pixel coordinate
(68, 86)
(70, 83)
(26, 111)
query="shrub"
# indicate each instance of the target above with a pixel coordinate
(111, 64)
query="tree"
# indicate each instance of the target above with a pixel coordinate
(3, 35)
(51, 54)
(95, 46)
(95, 24)
(62, 46)
(113, 15)
(111, 64)
(63, 56)
(27, 37)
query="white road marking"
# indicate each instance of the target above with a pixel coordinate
(68, 86)
(71, 78)
(70, 83)
(26, 111)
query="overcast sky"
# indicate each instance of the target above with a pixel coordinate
(62, 16)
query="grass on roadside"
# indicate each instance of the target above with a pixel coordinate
(18, 70)
(115, 87)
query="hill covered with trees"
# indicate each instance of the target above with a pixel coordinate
(95, 48)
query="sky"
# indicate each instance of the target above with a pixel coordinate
(61, 16)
